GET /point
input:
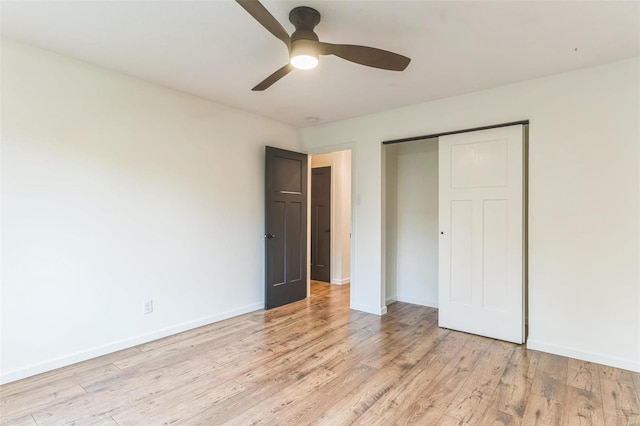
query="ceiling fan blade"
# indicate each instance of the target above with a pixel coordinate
(363, 55)
(264, 84)
(262, 15)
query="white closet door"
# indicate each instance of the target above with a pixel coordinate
(481, 217)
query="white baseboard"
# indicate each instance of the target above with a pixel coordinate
(97, 351)
(599, 358)
(391, 299)
(342, 281)
(418, 301)
(376, 310)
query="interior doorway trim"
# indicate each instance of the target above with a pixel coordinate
(349, 146)
(435, 135)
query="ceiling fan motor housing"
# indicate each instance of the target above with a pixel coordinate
(304, 41)
(305, 20)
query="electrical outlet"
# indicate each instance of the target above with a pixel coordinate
(148, 307)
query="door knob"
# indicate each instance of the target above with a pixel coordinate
(270, 236)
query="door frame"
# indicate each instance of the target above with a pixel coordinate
(525, 195)
(328, 150)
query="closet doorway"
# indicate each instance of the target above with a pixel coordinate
(412, 222)
(455, 219)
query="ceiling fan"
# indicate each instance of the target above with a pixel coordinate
(305, 47)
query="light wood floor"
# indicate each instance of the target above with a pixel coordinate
(317, 362)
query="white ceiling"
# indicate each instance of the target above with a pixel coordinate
(214, 49)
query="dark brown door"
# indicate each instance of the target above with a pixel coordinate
(286, 227)
(321, 224)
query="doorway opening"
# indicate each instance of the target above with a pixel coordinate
(411, 200)
(321, 224)
(330, 218)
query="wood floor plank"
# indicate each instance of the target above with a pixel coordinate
(635, 379)
(185, 402)
(449, 421)
(515, 384)
(318, 362)
(582, 407)
(436, 394)
(617, 375)
(310, 409)
(315, 353)
(472, 401)
(401, 397)
(66, 374)
(21, 404)
(450, 379)
(493, 416)
(19, 421)
(420, 355)
(551, 377)
(358, 401)
(271, 408)
(195, 334)
(583, 375)
(452, 344)
(106, 397)
(542, 411)
(398, 341)
(618, 421)
(227, 409)
(203, 342)
(620, 401)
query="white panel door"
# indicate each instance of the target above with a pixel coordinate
(481, 217)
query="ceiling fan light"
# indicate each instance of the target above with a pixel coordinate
(304, 54)
(304, 62)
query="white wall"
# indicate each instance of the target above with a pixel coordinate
(345, 217)
(584, 217)
(390, 220)
(340, 163)
(115, 191)
(417, 222)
